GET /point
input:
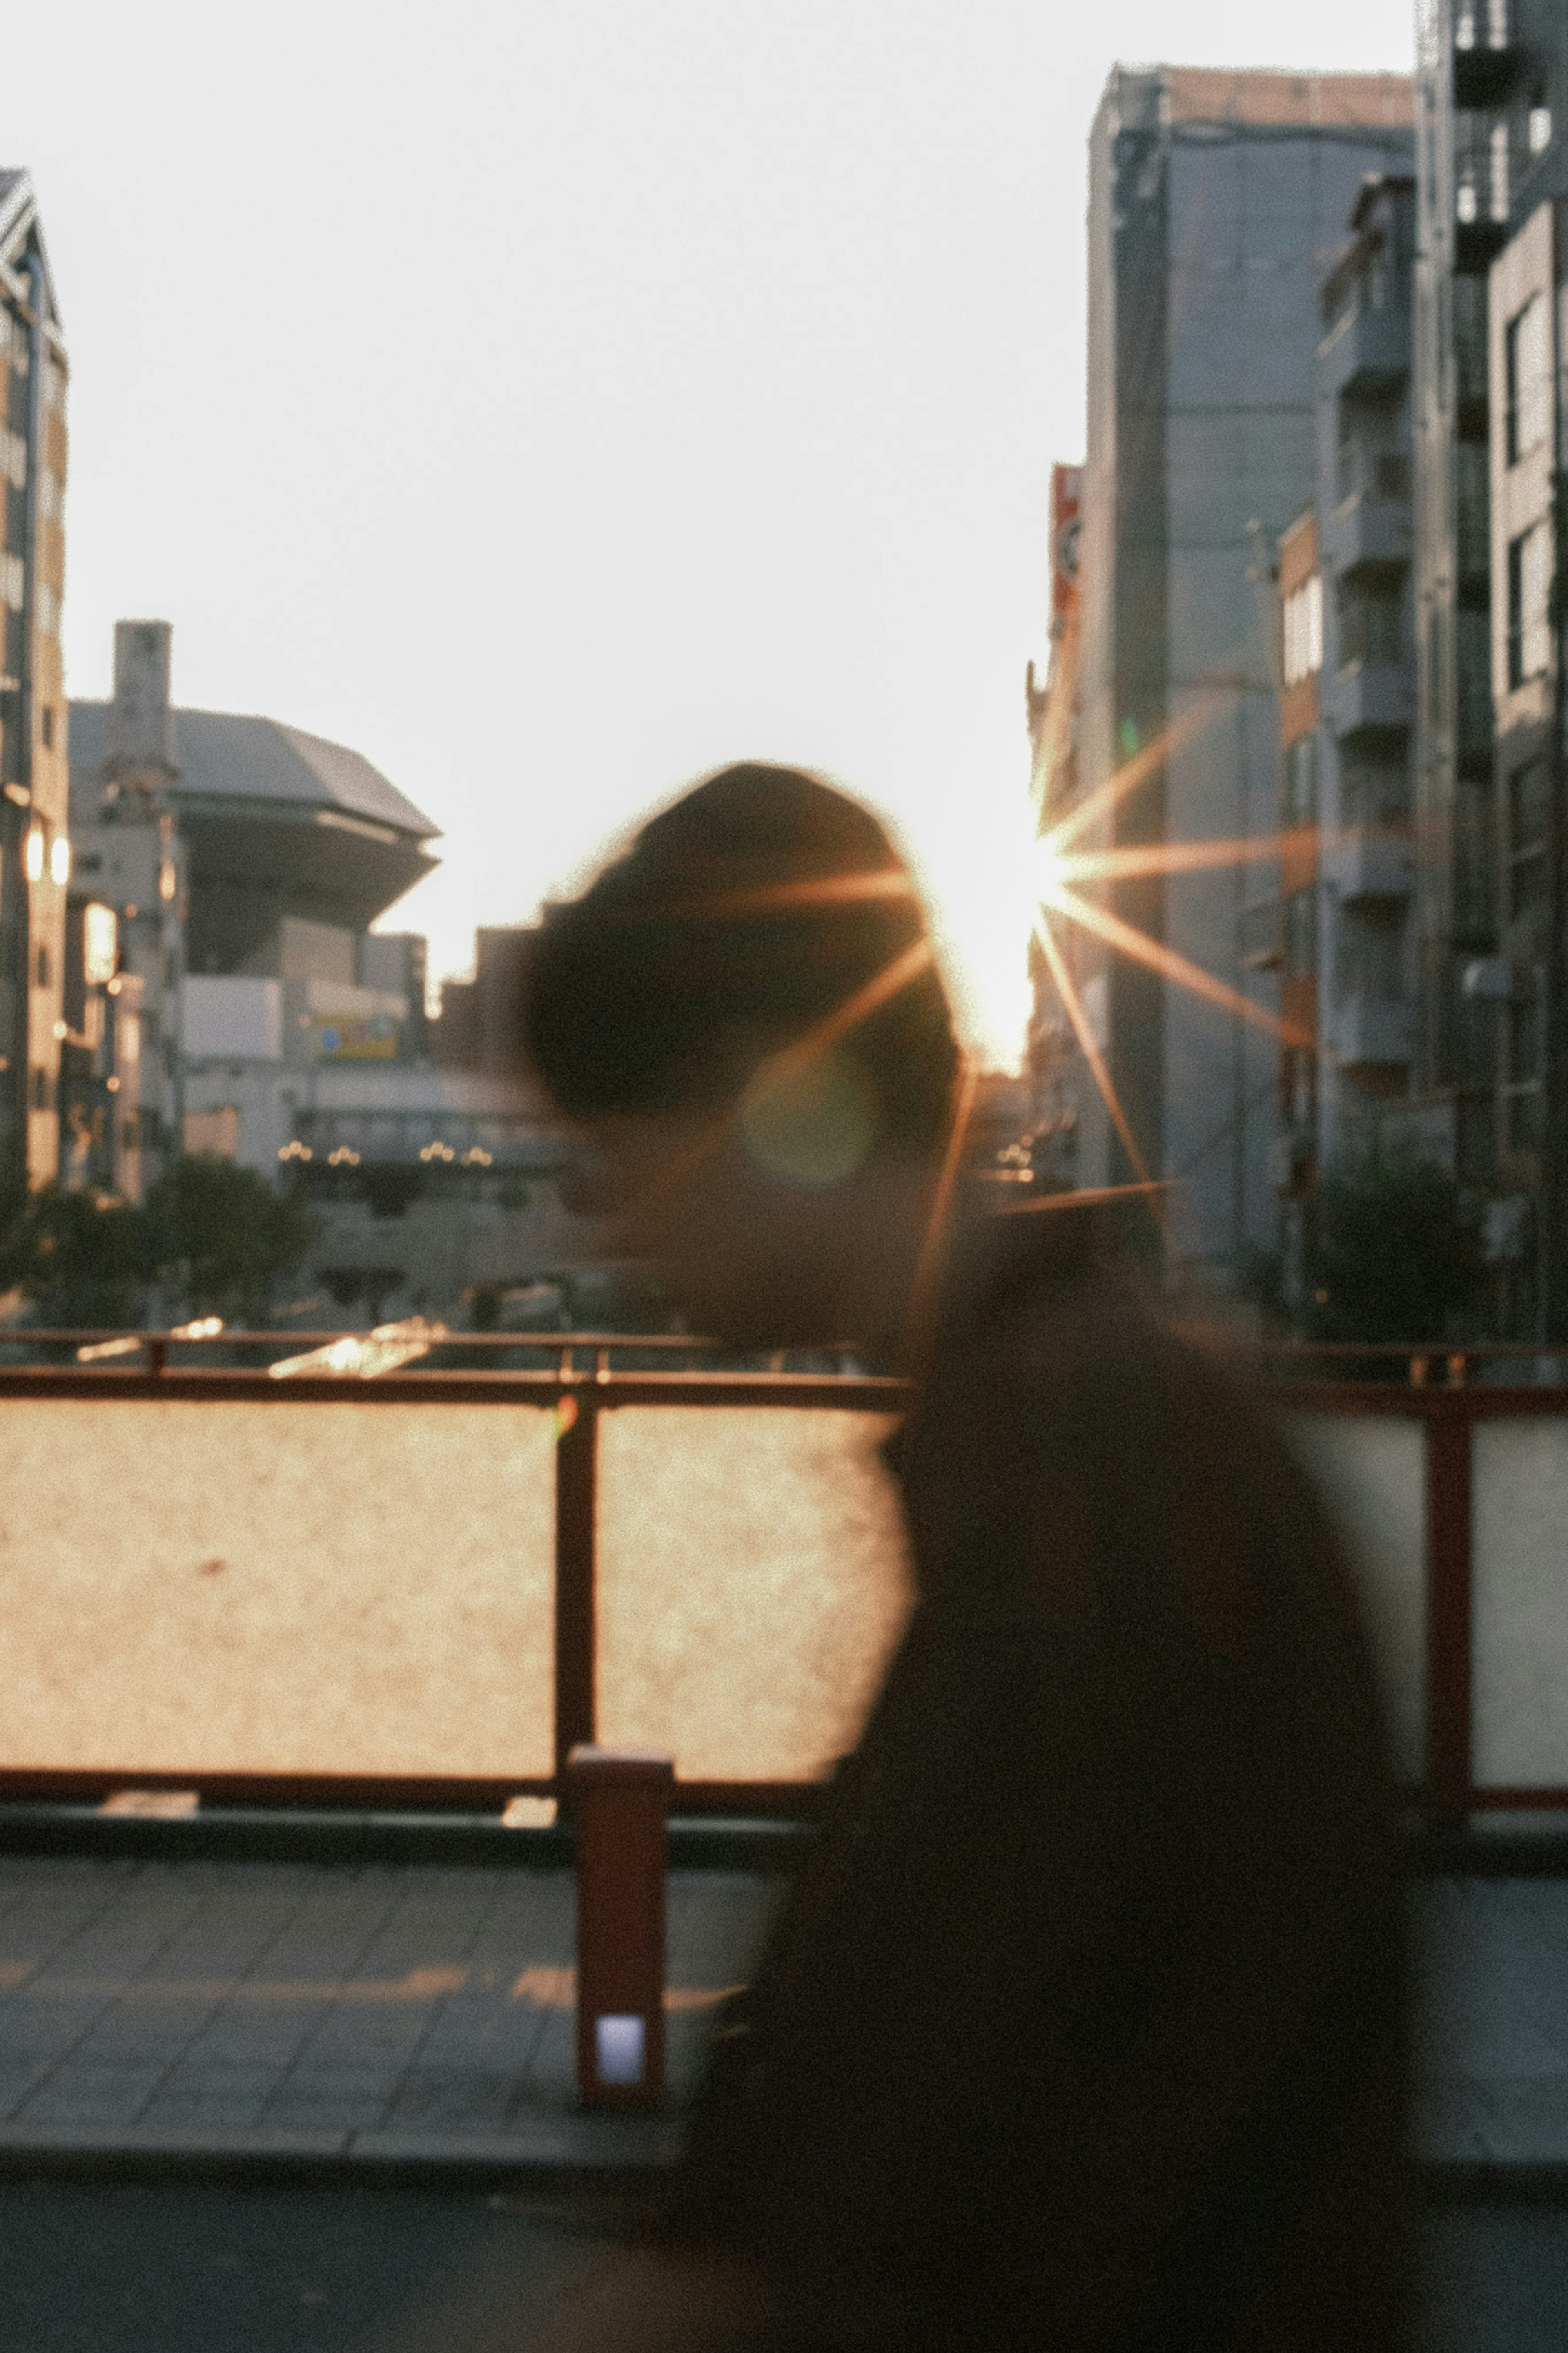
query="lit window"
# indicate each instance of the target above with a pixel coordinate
(1527, 352)
(51, 497)
(1540, 130)
(33, 855)
(100, 944)
(1465, 204)
(1529, 601)
(1499, 171)
(60, 859)
(1303, 627)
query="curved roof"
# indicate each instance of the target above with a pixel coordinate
(224, 756)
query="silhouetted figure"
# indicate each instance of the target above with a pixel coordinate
(1083, 2025)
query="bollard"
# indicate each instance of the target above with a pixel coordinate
(620, 1799)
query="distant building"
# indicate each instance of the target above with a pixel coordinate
(1217, 202)
(1491, 439)
(238, 864)
(33, 841)
(1368, 991)
(1283, 935)
(1053, 1062)
(478, 1029)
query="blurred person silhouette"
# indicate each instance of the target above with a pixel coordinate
(1082, 2026)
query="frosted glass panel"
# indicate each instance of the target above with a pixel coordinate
(274, 1588)
(1371, 1471)
(751, 1581)
(1520, 1604)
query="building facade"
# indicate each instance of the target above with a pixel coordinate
(1491, 338)
(35, 851)
(1217, 202)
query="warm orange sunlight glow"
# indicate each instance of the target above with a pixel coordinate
(1072, 1005)
(1172, 967)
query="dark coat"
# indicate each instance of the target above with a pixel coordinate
(1083, 2027)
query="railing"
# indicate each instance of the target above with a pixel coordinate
(422, 1590)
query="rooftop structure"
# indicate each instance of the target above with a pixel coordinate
(275, 823)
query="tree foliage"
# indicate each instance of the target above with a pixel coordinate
(1395, 1255)
(212, 1237)
(219, 1237)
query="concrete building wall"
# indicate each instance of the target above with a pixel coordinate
(1215, 202)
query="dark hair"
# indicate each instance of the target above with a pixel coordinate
(707, 948)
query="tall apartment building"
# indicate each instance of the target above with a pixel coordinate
(35, 848)
(1217, 202)
(1492, 345)
(1341, 935)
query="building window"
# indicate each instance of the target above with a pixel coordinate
(1371, 960)
(40, 1090)
(46, 726)
(1370, 628)
(48, 611)
(1528, 805)
(42, 962)
(1301, 934)
(1301, 781)
(1303, 627)
(1498, 160)
(13, 582)
(51, 497)
(1526, 350)
(1529, 602)
(1540, 130)
(14, 450)
(55, 387)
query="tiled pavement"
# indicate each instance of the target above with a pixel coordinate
(303, 2010)
(412, 2014)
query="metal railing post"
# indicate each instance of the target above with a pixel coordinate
(620, 1804)
(1450, 1606)
(576, 1432)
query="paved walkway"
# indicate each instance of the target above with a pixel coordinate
(415, 2015)
(299, 2011)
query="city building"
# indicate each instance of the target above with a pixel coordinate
(1281, 934)
(1364, 941)
(35, 849)
(1490, 349)
(228, 868)
(1052, 1061)
(1217, 201)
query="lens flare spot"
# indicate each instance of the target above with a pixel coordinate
(809, 1124)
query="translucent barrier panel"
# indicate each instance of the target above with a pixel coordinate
(1371, 1471)
(1521, 1602)
(276, 1587)
(751, 1582)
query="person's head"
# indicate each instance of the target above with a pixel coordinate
(742, 1017)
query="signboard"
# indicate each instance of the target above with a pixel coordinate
(356, 1037)
(1066, 531)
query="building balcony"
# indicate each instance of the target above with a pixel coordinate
(1371, 528)
(1366, 351)
(1375, 864)
(1374, 1033)
(1370, 704)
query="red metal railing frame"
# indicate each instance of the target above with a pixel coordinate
(579, 1399)
(1448, 1413)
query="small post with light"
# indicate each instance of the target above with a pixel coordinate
(620, 1805)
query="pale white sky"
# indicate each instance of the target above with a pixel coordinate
(554, 401)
